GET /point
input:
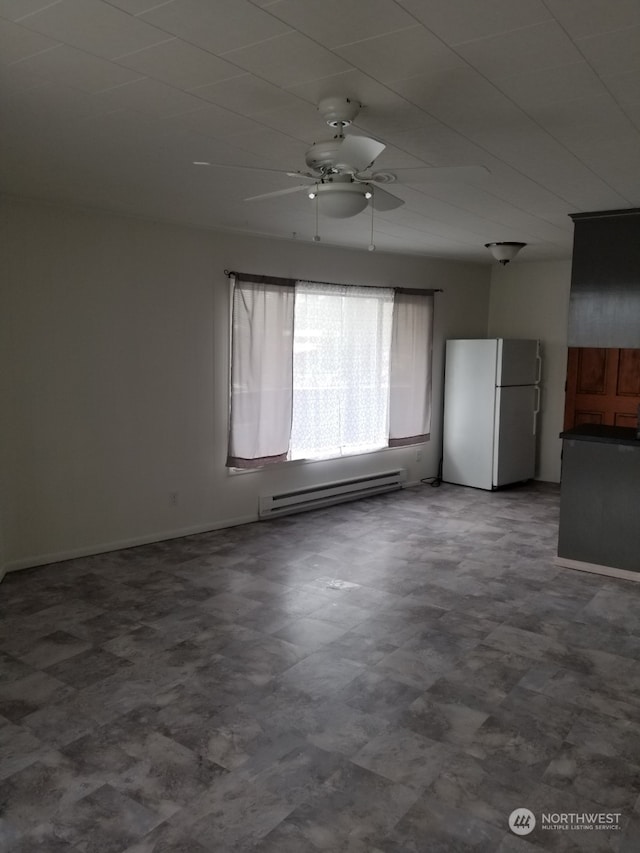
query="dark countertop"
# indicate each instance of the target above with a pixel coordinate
(606, 434)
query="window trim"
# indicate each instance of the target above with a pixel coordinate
(233, 472)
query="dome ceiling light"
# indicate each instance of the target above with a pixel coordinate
(504, 252)
(340, 200)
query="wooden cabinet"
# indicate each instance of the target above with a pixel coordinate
(604, 306)
(603, 387)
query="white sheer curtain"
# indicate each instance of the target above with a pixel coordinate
(411, 347)
(261, 373)
(342, 344)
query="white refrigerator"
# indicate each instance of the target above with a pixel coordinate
(491, 403)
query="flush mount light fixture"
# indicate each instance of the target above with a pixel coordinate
(504, 252)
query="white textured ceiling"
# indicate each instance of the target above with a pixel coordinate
(109, 104)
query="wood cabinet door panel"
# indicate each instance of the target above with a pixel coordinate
(582, 417)
(591, 374)
(629, 373)
(625, 420)
(603, 386)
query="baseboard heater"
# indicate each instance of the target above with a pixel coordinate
(338, 491)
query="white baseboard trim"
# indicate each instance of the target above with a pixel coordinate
(119, 545)
(593, 568)
(106, 547)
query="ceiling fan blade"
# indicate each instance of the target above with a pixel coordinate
(359, 152)
(383, 200)
(438, 174)
(289, 174)
(297, 189)
(299, 174)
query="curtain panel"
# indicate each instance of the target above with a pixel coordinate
(261, 373)
(410, 383)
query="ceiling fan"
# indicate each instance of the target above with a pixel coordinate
(339, 175)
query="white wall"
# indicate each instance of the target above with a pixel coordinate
(531, 300)
(117, 339)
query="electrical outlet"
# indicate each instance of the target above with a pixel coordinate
(418, 456)
(173, 498)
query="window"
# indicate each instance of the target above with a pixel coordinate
(341, 348)
(320, 371)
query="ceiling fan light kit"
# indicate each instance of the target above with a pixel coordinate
(504, 252)
(341, 200)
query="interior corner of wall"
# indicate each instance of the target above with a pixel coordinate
(3, 559)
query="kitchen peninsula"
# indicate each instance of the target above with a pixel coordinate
(600, 501)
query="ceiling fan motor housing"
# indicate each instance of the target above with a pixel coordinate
(342, 155)
(323, 155)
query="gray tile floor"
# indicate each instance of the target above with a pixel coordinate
(387, 676)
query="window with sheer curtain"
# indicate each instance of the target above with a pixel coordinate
(341, 349)
(320, 371)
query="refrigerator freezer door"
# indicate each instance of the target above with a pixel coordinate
(514, 455)
(517, 362)
(469, 412)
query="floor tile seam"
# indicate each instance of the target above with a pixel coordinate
(571, 788)
(582, 707)
(607, 684)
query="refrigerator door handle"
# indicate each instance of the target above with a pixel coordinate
(538, 368)
(536, 409)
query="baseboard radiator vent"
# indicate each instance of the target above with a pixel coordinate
(330, 493)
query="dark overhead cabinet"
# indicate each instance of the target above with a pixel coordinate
(604, 309)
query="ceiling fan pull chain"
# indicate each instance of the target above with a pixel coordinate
(372, 245)
(316, 238)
